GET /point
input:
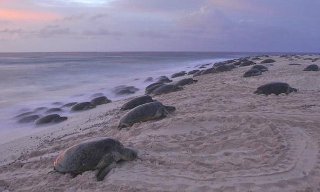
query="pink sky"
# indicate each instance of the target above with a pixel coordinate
(154, 25)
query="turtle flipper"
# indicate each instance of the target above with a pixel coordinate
(106, 164)
(104, 171)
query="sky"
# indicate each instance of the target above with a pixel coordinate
(160, 25)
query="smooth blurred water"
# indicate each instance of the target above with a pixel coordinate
(30, 80)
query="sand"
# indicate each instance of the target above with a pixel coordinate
(222, 137)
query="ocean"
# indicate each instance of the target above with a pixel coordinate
(32, 80)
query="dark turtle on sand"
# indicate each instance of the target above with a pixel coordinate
(69, 104)
(208, 71)
(150, 90)
(53, 118)
(186, 81)
(97, 95)
(193, 72)
(145, 112)
(124, 90)
(100, 154)
(268, 61)
(163, 79)
(179, 74)
(252, 72)
(28, 118)
(275, 88)
(148, 79)
(166, 89)
(261, 68)
(100, 101)
(246, 62)
(198, 73)
(223, 68)
(24, 114)
(82, 106)
(312, 67)
(52, 110)
(136, 102)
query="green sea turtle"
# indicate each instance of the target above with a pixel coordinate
(166, 89)
(179, 74)
(53, 118)
(223, 68)
(28, 118)
(312, 67)
(100, 101)
(261, 68)
(198, 73)
(268, 61)
(150, 90)
(145, 112)
(252, 72)
(208, 71)
(69, 104)
(52, 110)
(275, 88)
(193, 72)
(136, 102)
(124, 90)
(186, 81)
(100, 154)
(82, 106)
(163, 79)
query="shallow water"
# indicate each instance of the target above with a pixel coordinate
(31, 80)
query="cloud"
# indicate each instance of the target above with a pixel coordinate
(157, 6)
(73, 18)
(99, 16)
(20, 14)
(153, 35)
(207, 20)
(11, 31)
(102, 32)
(53, 31)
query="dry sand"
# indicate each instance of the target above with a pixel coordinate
(222, 137)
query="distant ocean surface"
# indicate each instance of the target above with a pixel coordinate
(31, 80)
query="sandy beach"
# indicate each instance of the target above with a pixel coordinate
(221, 137)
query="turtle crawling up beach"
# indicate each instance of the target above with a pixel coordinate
(312, 67)
(99, 154)
(145, 112)
(136, 102)
(275, 88)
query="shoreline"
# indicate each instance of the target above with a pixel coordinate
(221, 137)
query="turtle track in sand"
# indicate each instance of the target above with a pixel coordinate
(264, 154)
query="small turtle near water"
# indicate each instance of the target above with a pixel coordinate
(312, 67)
(100, 101)
(186, 81)
(268, 61)
(261, 68)
(252, 72)
(99, 154)
(150, 89)
(82, 106)
(53, 118)
(166, 89)
(136, 102)
(145, 112)
(163, 79)
(275, 88)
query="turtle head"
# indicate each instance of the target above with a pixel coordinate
(170, 108)
(258, 91)
(291, 89)
(122, 125)
(129, 153)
